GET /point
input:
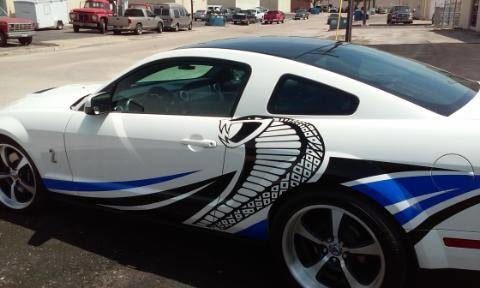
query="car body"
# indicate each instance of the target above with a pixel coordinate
(244, 17)
(15, 28)
(274, 16)
(136, 20)
(174, 16)
(400, 14)
(357, 165)
(301, 14)
(200, 15)
(259, 12)
(229, 12)
(94, 15)
(332, 16)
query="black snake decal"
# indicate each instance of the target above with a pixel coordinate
(281, 153)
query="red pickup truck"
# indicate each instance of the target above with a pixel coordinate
(274, 16)
(15, 28)
(94, 15)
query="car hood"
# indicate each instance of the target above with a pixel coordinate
(60, 98)
(11, 20)
(89, 10)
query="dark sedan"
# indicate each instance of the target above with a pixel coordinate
(301, 14)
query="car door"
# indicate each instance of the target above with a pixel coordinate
(150, 19)
(158, 148)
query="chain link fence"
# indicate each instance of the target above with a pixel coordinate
(448, 16)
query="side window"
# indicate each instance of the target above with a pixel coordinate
(176, 13)
(190, 88)
(295, 95)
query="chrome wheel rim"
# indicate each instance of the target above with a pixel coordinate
(327, 246)
(17, 178)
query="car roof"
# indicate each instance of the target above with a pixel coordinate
(284, 47)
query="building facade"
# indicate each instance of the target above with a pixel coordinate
(470, 15)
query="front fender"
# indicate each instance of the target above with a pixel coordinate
(14, 129)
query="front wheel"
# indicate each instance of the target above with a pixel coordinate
(25, 41)
(60, 25)
(102, 26)
(3, 40)
(190, 26)
(139, 29)
(76, 28)
(337, 240)
(20, 186)
(160, 28)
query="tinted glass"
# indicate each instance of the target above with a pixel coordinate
(299, 96)
(424, 85)
(176, 13)
(133, 13)
(193, 88)
(2, 12)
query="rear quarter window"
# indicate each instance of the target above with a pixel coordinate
(296, 95)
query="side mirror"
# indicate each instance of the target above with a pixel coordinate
(98, 104)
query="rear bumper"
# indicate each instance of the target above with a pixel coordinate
(20, 34)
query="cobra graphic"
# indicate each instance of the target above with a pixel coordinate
(281, 154)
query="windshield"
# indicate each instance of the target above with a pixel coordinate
(401, 9)
(424, 85)
(101, 5)
(2, 12)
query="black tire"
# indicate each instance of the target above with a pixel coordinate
(139, 29)
(190, 26)
(25, 41)
(234, 22)
(102, 26)
(60, 25)
(392, 240)
(177, 28)
(76, 28)
(160, 28)
(3, 40)
(39, 198)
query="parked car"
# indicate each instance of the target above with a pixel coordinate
(244, 17)
(301, 14)
(94, 15)
(200, 15)
(43, 13)
(15, 28)
(136, 20)
(174, 16)
(274, 16)
(332, 17)
(298, 145)
(400, 14)
(381, 10)
(259, 12)
(229, 12)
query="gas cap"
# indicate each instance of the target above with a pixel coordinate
(452, 171)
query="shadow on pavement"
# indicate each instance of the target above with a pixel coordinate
(197, 258)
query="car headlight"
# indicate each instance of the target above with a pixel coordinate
(94, 18)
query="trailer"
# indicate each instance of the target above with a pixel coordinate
(43, 13)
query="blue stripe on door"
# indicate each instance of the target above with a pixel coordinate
(54, 184)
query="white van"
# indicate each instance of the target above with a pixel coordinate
(174, 16)
(43, 13)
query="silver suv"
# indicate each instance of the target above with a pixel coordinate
(174, 16)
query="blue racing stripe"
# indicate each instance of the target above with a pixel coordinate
(54, 184)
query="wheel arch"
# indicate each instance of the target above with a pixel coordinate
(312, 188)
(12, 128)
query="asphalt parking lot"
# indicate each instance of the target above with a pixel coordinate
(70, 246)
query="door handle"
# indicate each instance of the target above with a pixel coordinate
(201, 143)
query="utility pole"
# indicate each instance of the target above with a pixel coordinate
(191, 8)
(348, 34)
(364, 12)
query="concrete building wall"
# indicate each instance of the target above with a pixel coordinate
(466, 15)
(247, 4)
(285, 6)
(224, 3)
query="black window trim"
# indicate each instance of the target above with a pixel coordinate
(112, 87)
(282, 79)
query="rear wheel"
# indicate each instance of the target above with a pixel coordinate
(76, 28)
(20, 187)
(177, 28)
(3, 40)
(337, 240)
(190, 26)
(139, 29)
(160, 28)
(25, 41)
(60, 25)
